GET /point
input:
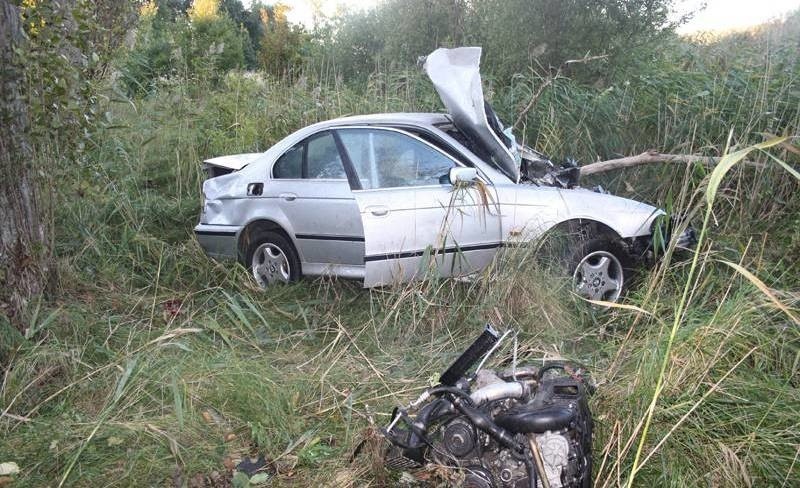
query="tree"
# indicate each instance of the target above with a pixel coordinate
(250, 21)
(203, 43)
(111, 21)
(281, 42)
(204, 10)
(213, 44)
(518, 34)
(24, 238)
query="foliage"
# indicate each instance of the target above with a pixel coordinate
(208, 40)
(203, 11)
(515, 34)
(250, 21)
(280, 44)
(107, 25)
(59, 57)
(205, 44)
(546, 33)
(212, 46)
(392, 35)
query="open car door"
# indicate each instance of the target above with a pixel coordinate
(415, 222)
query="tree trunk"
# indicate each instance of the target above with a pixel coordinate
(24, 253)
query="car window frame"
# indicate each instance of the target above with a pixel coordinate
(304, 162)
(356, 184)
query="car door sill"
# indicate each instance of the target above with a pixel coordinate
(350, 271)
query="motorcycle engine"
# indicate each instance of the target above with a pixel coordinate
(547, 414)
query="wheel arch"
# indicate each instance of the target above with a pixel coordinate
(262, 224)
(584, 226)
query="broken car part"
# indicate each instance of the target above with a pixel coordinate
(526, 427)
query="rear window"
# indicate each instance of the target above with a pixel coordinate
(315, 158)
(290, 165)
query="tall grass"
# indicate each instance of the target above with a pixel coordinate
(154, 365)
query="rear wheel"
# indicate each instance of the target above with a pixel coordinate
(272, 259)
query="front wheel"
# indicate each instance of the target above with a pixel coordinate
(599, 270)
(272, 259)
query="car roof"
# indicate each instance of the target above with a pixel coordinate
(412, 118)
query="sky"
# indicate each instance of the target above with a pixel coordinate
(719, 14)
(734, 14)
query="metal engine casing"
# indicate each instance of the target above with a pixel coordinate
(486, 464)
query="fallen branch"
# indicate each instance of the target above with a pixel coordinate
(650, 157)
(534, 98)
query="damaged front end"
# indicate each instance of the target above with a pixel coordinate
(536, 168)
(455, 73)
(665, 231)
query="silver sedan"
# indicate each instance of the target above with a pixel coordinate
(393, 197)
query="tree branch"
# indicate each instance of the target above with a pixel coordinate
(651, 157)
(548, 80)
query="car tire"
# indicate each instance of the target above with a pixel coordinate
(599, 268)
(272, 259)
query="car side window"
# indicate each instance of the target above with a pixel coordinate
(290, 164)
(389, 159)
(323, 159)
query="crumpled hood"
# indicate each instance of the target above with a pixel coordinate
(455, 74)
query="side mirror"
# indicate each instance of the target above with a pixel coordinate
(460, 174)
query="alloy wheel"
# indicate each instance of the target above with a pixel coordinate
(599, 276)
(270, 265)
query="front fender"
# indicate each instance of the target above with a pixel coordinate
(539, 209)
(626, 217)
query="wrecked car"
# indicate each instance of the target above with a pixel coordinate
(393, 197)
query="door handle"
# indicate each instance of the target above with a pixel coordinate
(378, 210)
(289, 197)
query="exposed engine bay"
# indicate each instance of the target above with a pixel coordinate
(522, 427)
(536, 168)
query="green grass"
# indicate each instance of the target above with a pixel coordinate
(152, 365)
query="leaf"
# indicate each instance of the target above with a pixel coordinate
(622, 306)
(123, 380)
(763, 288)
(177, 399)
(240, 480)
(259, 478)
(728, 161)
(785, 166)
(789, 147)
(8, 469)
(36, 328)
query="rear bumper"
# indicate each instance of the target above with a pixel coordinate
(218, 241)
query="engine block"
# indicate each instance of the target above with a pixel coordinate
(513, 429)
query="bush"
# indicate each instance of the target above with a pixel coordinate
(203, 47)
